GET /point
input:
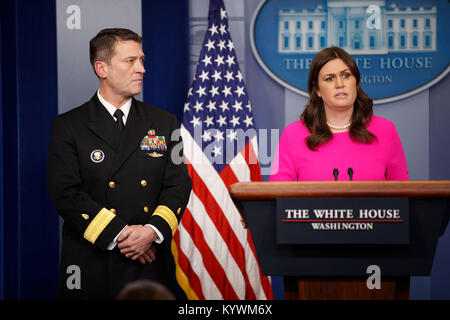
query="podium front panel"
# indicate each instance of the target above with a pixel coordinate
(342, 220)
(415, 258)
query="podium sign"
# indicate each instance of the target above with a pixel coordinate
(342, 221)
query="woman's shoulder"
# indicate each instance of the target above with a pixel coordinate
(296, 128)
(293, 137)
(380, 124)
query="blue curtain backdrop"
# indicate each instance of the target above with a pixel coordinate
(29, 102)
(2, 240)
(165, 28)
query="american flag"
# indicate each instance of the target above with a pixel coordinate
(215, 256)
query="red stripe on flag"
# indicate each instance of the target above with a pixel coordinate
(223, 226)
(228, 176)
(252, 161)
(185, 265)
(265, 283)
(255, 175)
(212, 265)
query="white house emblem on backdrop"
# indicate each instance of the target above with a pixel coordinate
(400, 46)
(403, 29)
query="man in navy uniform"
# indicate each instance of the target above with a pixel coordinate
(115, 176)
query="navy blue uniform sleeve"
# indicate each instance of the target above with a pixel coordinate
(80, 212)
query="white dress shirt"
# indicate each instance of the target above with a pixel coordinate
(126, 110)
(111, 109)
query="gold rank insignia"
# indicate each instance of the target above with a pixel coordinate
(85, 216)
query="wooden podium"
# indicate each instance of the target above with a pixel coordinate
(338, 271)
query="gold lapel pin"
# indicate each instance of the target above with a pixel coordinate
(155, 154)
(151, 132)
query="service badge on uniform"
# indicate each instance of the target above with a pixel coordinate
(155, 144)
(97, 156)
(154, 154)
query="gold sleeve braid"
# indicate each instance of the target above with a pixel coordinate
(101, 220)
(168, 215)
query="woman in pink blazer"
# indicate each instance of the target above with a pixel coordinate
(338, 137)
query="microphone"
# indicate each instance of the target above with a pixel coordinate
(335, 173)
(350, 173)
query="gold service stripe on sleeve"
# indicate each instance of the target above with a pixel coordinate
(101, 220)
(168, 215)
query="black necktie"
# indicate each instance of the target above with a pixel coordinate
(119, 116)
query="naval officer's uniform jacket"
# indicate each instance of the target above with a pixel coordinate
(101, 180)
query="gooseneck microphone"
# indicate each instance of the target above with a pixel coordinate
(350, 173)
(335, 173)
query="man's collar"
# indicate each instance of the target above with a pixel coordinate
(111, 109)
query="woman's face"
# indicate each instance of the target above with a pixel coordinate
(337, 86)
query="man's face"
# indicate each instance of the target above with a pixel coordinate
(125, 71)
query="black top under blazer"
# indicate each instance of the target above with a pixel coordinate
(97, 195)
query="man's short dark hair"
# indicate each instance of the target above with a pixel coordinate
(101, 47)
